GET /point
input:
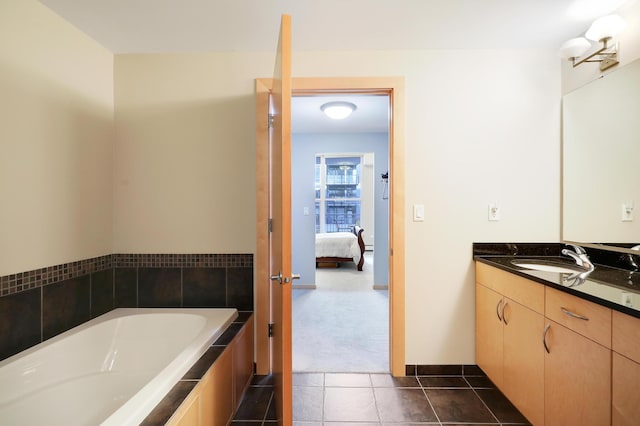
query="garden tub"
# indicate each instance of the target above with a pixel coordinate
(112, 370)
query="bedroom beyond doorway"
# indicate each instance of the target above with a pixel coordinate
(342, 325)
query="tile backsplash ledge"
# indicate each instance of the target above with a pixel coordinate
(37, 305)
(15, 283)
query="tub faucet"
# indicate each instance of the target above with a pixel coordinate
(580, 256)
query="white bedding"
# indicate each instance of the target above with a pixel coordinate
(338, 244)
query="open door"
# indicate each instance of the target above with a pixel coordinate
(280, 218)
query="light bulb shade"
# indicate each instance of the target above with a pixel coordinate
(606, 27)
(574, 47)
(338, 110)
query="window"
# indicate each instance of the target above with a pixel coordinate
(337, 186)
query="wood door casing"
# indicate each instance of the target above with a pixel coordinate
(394, 88)
(262, 288)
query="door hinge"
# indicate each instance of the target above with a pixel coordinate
(270, 225)
(270, 329)
(270, 120)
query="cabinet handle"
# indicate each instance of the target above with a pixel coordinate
(544, 338)
(504, 318)
(498, 309)
(573, 314)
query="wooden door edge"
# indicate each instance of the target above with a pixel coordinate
(262, 314)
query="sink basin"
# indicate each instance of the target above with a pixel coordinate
(547, 266)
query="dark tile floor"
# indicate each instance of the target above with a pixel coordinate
(333, 399)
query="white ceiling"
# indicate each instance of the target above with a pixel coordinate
(153, 26)
(146, 26)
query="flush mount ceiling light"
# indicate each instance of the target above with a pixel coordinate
(602, 31)
(338, 110)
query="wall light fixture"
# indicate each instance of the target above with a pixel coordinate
(602, 31)
(338, 110)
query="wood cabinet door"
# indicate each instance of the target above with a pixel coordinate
(577, 379)
(523, 355)
(489, 333)
(626, 398)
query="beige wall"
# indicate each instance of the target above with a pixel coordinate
(56, 132)
(476, 133)
(481, 126)
(185, 152)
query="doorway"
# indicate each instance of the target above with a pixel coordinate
(339, 310)
(394, 88)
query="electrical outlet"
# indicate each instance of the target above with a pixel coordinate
(494, 212)
(627, 211)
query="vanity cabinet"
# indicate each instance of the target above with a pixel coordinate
(577, 379)
(509, 326)
(625, 406)
(577, 361)
(551, 354)
(489, 333)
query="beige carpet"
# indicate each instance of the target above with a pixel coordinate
(342, 325)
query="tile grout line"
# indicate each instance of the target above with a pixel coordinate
(266, 411)
(424, 391)
(375, 400)
(324, 396)
(482, 400)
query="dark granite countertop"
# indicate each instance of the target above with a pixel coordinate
(606, 285)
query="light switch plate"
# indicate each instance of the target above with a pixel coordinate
(418, 212)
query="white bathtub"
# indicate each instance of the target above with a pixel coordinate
(112, 370)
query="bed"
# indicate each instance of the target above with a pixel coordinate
(339, 247)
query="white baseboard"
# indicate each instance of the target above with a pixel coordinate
(303, 286)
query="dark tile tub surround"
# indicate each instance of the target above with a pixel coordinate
(39, 304)
(65, 305)
(20, 322)
(170, 403)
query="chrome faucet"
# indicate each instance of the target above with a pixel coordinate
(580, 256)
(634, 259)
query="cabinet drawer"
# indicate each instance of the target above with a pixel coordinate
(626, 335)
(583, 317)
(526, 292)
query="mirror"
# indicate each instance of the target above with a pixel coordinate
(601, 161)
